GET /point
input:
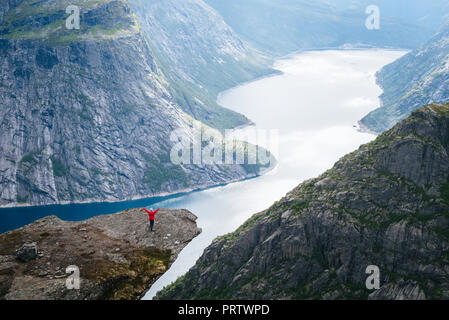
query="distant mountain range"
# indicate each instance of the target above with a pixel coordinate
(385, 206)
(418, 78)
(87, 114)
(283, 26)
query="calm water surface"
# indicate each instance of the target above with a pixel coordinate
(314, 104)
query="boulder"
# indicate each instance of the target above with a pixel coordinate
(27, 252)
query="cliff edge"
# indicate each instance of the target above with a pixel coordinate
(117, 256)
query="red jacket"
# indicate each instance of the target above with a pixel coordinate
(151, 214)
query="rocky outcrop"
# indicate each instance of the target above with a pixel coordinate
(384, 205)
(116, 255)
(420, 77)
(87, 115)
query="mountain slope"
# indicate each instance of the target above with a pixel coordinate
(87, 114)
(200, 55)
(418, 78)
(283, 26)
(386, 204)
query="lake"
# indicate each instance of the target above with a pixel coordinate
(315, 105)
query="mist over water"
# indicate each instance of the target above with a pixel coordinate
(315, 104)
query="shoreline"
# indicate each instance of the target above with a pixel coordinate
(162, 196)
(345, 47)
(250, 123)
(273, 74)
(277, 72)
(184, 264)
(137, 198)
(106, 207)
(364, 129)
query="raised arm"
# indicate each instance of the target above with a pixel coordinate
(156, 211)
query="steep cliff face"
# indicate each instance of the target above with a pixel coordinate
(87, 114)
(386, 204)
(418, 78)
(200, 55)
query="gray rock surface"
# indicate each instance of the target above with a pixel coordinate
(87, 115)
(385, 204)
(200, 56)
(117, 256)
(420, 77)
(27, 252)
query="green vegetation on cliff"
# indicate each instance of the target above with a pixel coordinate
(200, 55)
(385, 204)
(100, 20)
(94, 107)
(420, 77)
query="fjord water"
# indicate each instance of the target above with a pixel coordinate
(315, 104)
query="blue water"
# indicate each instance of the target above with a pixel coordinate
(315, 130)
(13, 218)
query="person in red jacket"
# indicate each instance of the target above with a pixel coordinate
(151, 217)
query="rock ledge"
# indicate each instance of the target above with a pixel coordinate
(117, 256)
